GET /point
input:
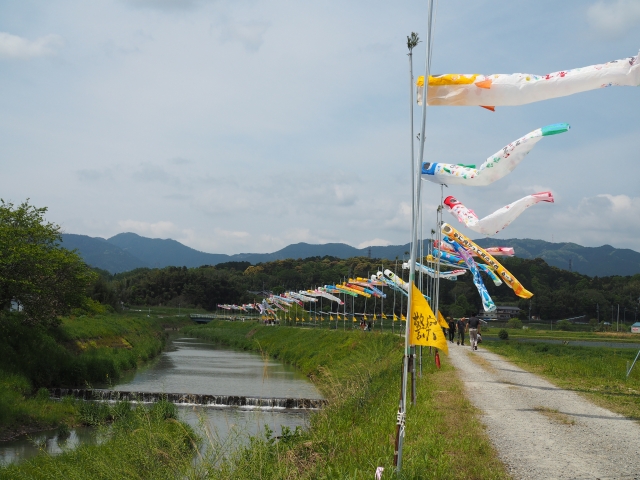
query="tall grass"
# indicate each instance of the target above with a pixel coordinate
(81, 351)
(359, 374)
(143, 443)
(597, 372)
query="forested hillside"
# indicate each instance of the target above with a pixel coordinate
(557, 293)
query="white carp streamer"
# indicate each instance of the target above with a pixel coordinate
(448, 275)
(498, 220)
(501, 90)
(495, 167)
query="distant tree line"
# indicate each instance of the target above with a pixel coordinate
(48, 281)
(558, 293)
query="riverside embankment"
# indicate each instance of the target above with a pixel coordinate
(81, 351)
(357, 372)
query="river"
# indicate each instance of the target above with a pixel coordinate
(195, 366)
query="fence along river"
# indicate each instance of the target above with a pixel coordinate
(230, 390)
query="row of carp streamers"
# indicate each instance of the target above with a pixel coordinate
(490, 91)
(365, 287)
(457, 251)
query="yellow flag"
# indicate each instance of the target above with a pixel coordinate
(354, 319)
(330, 317)
(395, 317)
(402, 317)
(424, 328)
(374, 316)
(364, 317)
(441, 321)
(384, 317)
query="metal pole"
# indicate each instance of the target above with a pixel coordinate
(634, 362)
(416, 193)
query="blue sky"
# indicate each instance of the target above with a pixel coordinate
(246, 126)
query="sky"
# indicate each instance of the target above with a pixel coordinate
(248, 125)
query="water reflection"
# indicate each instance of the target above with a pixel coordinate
(49, 441)
(196, 366)
(190, 365)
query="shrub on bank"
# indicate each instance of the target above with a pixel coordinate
(142, 443)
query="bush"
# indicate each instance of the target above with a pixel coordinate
(514, 323)
(503, 334)
(564, 325)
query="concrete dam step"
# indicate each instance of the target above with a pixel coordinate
(204, 400)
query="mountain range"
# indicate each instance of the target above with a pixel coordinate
(127, 251)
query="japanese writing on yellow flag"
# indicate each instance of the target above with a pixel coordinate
(424, 328)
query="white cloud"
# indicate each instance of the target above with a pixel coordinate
(234, 234)
(376, 242)
(603, 218)
(12, 46)
(162, 229)
(152, 173)
(166, 4)
(614, 19)
(249, 34)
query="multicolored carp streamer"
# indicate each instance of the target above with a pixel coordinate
(487, 302)
(449, 275)
(501, 90)
(502, 272)
(498, 220)
(328, 296)
(380, 276)
(495, 167)
(495, 251)
(451, 260)
(369, 286)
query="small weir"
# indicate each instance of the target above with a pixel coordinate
(233, 401)
(251, 392)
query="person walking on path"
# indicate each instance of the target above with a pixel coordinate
(461, 327)
(474, 330)
(452, 329)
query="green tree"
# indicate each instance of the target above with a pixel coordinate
(514, 323)
(35, 270)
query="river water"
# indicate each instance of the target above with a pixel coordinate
(190, 365)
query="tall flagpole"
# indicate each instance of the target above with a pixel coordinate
(412, 42)
(416, 195)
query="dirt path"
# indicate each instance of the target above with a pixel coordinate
(542, 431)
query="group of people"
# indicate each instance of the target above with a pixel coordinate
(461, 326)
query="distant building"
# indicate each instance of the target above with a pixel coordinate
(501, 314)
(16, 306)
(635, 328)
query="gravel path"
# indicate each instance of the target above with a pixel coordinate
(541, 431)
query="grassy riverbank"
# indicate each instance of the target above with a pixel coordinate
(599, 373)
(142, 443)
(358, 372)
(85, 350)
